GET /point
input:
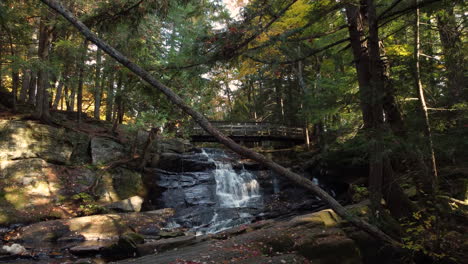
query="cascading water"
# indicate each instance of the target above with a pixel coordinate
(234, 189)
(208, 193)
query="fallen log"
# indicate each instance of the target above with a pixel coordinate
(201, 120)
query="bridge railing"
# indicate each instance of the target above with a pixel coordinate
(252, 129)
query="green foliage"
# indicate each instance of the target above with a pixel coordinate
(358, 193)
(87, 204)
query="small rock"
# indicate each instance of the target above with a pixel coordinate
(132, 204)
(13, 249)
(172, 233)
(85, 250)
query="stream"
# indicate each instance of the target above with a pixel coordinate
(211, 190)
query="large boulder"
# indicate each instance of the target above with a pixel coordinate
(28, 139)
(163, 145)
(119, 184)
(105, 150)
(95, 227)
(32, 190)
(132, 204)
(29, 189)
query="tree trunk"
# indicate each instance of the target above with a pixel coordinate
(146, 149)
(429, 181)
(28, 75)
(454, 57)
(26, 79)
(70, 102)
(375, 96)
(80, 81)
(58, 94)
(205, 124)
(14, 72)
(302, 84)
(110, 97)
(97, 86)
(376, 164)
(32, 90)
(42, 96)
(391, 109)
(356, 26)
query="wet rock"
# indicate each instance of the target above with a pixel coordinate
(86, 250)
(126, 246)
(104, 150)
(304, 239)
(96, 227)
(171, 233)
(132, 204)
(165, 245)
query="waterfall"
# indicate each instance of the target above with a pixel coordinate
(233, 189)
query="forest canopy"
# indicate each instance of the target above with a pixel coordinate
(372, 82)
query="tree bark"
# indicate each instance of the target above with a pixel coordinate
(28, 75)
(80, 81)
(375, 99)
(110, 97)
(356, 26)
(454, 57)
(153, 134)
(97, 86)
(42, 95)
(32, 89)
(205, 124)
(58, 93)
(429, 181)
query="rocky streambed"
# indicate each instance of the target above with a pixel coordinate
(55, 174)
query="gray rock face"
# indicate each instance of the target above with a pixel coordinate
(27, 139)
(104, 150)
(184, 162)
(132, 204)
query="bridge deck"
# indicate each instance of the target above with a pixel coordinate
(251, 131)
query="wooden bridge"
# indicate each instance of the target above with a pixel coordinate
(250, 132)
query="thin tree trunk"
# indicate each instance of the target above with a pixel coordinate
(228, 93)
(302, 84)
(2, 89)
(146, 149)
(71, 99)
(14, 72)
(80, 81)
(205, 124)
(97, 86)
(32, 90)
(429, 181)
(25, 85)
(454, 57)
(28, 76)
(110, 97)
(376, 164)
(58, 94)
(42, 96)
